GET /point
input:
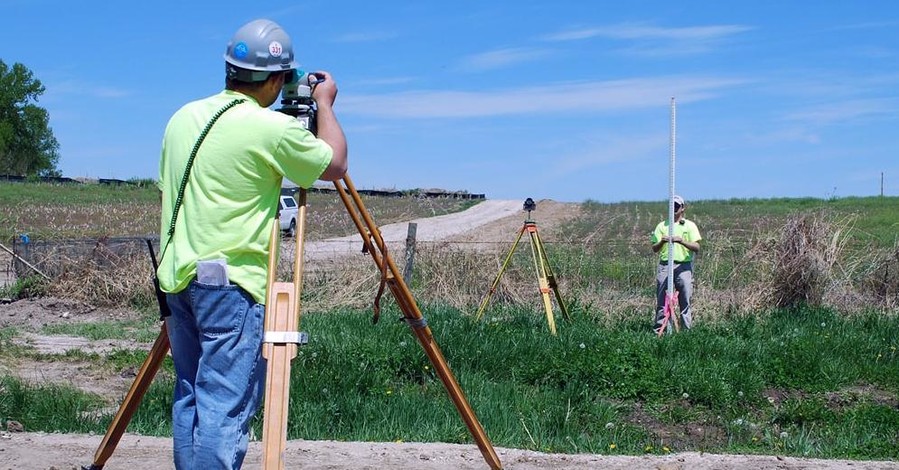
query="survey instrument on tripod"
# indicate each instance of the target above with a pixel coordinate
(546, 280)
(390, 278)
(140, 385)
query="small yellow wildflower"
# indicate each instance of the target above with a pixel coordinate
(612, 446)
(389, 391)
(647, 449)
(666, 449)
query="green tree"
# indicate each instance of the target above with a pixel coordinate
(27, 144)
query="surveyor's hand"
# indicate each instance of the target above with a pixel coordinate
(324, 88)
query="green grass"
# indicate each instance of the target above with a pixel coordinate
(809, 383)
(144, 330)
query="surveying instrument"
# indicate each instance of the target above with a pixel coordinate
(282, 317)
(545, 278)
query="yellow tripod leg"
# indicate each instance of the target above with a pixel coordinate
(550, 277)
(498, 276)
(279, 347)
(542, 280)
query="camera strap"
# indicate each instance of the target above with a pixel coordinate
(190, 164)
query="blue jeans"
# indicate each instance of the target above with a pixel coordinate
(216, 339)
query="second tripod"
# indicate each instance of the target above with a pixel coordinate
(545, 278)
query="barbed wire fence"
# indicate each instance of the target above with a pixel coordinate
(615, 277)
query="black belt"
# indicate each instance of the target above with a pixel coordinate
(665, 263)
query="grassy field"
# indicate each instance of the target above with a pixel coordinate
(819, 378)
(807, 383)
(67, 211)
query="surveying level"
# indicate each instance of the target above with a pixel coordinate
(545, 278)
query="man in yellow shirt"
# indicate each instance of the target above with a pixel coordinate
(686, 239)
(223, 159)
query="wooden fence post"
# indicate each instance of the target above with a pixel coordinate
(410, 252)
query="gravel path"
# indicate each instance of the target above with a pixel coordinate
(428, 229)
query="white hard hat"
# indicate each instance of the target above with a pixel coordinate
(257, 49)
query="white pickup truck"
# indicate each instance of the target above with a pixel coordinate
(287, 215)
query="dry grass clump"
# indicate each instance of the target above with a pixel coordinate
(881, 280)
(339, 282)
(798, 264)
(104, 276)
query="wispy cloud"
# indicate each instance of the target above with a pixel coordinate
(867, 25)
(502, 58)
(383, 81)
(610, 148)
(847, 110)
(360, 37)
(654, 40)
(642, 31)
(595, 96)
(783, 135)
(95, 91)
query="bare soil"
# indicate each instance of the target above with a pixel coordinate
(68, 451)
(491, 221)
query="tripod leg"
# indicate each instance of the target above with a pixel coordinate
(132, 400)
(278, 350)
(542, 280)
(498, 276)
(371, 236)
(282, 318)
(550, 277)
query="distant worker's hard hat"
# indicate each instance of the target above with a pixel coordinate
(678, 200)
(257, 49)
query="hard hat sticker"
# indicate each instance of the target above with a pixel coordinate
(241, 50)
(274, 49)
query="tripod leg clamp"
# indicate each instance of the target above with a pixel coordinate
(285, 337)
(420, 323)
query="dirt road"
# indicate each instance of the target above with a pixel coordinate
(27, 451)
(428, 229)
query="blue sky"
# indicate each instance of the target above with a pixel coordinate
(567, 100)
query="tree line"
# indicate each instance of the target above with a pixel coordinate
(27, 145)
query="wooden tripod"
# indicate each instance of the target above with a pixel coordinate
(282, 338)
(545, 278)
